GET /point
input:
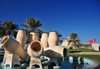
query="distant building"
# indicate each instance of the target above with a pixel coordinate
(96, 46)
(65, 43)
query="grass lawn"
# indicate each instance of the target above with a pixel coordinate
(81, 50)
(95, 57)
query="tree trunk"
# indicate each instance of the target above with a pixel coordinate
(74, 44)
(9, 33)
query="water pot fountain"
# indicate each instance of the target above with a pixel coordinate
(44, 54)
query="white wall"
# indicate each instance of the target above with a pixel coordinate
(96, 46)
(65, 44)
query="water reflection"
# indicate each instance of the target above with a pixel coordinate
(68, 63)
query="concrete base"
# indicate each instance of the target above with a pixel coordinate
(55, 62)
(35, 63)
(8, 62)
(11, 61)
(4, 58)
(16, 60)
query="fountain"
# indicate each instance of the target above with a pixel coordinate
(44, 54)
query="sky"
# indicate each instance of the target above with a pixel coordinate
(64, 16)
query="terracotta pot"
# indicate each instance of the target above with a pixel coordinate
(53, 39)
(55, 52)
(44, 40)
(33, 37)
(35, 49)
(21, 37)
(13, 47)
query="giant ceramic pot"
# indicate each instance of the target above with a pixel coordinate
(21, 37)
(44, 40)
(53, 39)
(35, 49)
(13, 47)
(33, 36)
(55, 52)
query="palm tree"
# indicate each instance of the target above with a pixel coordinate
(39, 33)
(10, 28)
(2, 30)
(60, 39)
(74, 39)
(32, 24)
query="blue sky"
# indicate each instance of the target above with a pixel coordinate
(65, 16)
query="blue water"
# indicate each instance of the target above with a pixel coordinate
(68, 63)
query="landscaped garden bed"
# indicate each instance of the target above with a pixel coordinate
(95, 57)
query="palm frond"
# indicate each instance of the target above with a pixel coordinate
(32, 23)
(25, 25)
(9, 27)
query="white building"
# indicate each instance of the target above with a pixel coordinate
(65, 43)
(96, 46)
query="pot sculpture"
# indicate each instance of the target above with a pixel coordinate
(13, 47)
(44, 40)
(21, 37)
(35, 50)
(33, 36)
(53, 39)
(54, 51)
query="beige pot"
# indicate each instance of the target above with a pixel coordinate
(55, 52)
(13, 47)
(33, 36)
(53, 39)
(35, 49)
(44, 40)
(21, 37)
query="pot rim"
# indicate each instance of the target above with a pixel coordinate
(1, 44)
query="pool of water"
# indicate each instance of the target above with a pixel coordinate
(67, 63)
(76, 63)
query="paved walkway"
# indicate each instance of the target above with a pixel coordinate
(85, 53)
